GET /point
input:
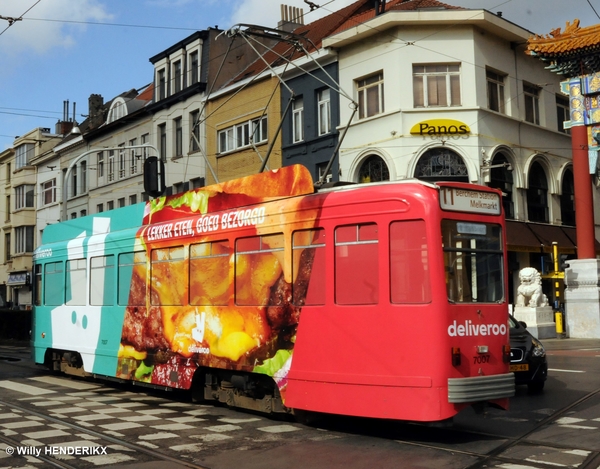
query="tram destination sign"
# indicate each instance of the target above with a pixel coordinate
(462, 200)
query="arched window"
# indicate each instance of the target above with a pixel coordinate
(441, 164)
(567, 199)
(501, 178)
(373, 169)
(118, 109)
(537, 194)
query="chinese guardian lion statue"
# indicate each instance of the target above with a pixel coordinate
(530, 292)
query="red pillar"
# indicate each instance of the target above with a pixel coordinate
(584, 206)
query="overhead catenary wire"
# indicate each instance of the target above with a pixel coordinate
(13, 20)
(412, 43)
(296, 42)
(324, 6)
(255, 77)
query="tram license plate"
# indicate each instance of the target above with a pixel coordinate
(523, 367)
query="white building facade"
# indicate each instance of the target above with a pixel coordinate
(451, 95)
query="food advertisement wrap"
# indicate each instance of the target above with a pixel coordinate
(213, 279)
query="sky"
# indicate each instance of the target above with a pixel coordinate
(53, 51)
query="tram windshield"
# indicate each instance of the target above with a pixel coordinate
(473, 262)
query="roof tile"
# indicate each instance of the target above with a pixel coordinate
(573, 40)
(345, 18)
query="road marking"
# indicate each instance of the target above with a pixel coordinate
(65, 382)
(107, 410)
(279, 429)
(105, 460)
(92, 417)
(69, 410)
(24, 388)
(130, 404)
(173, 426)
(188, 419)
(211, 437)
(46, 434)
(192, 447)
(578, 452)
(22, 424)
(120, 426)
(158, 436)
(75, 444)
(565, 371)
(223, 428)
(573, 422)
(242, 420)
(569, 420)
(545, 462)
(580, 427)
(140, 418)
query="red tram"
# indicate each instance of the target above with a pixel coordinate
(383, 300)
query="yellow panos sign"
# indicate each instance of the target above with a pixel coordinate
(440, 126)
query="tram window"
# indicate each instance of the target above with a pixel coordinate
(409, 267)
(473, 259)
(102, 280)
(54, 284)
(132, 278)
(37, 285)
(168, 281)
(75, 282)
(356, 264)
(258, 266)
(308, 258)
(210, 273)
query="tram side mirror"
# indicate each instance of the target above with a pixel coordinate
(154, 176)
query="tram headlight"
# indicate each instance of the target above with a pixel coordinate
(506, 353)
(456, 356)
(538, 349)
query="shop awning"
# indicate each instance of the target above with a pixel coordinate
(548, 234)
(538, 237)
(520, 238)
(572, 235)
(18, 278)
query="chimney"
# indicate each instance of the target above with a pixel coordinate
(64, 126)
(291, 18)
(379, 7)
(95, 104)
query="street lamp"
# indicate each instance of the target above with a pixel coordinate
(488, 165)
(80, 157)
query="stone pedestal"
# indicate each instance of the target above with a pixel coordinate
(539, 320)
(582, 299)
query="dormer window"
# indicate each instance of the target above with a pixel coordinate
(118, 109)
(161, 84)
(177, 76)
(194, 67)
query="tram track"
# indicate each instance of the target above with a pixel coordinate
(398, 432)
(11, 354)
(486, 460)
(49, 460)
(496, 452)
(157, 456)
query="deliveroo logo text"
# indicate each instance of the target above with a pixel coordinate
(76, 325)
